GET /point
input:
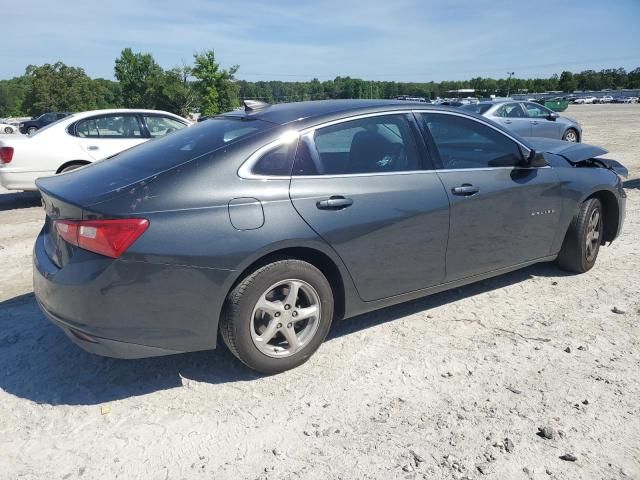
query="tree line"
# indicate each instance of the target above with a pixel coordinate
(206, 87)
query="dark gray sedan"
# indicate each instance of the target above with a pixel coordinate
(529, 119)
(265, 225)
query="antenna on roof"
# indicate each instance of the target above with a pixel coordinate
(252, 105)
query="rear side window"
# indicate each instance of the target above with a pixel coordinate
(275, 162)
(510, 110)
(379, 144)
(467, 143)
(109, 126)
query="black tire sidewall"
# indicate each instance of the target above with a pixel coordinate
(243, 308)
(590, 206)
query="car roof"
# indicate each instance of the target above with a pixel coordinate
(90, 113)
(305, 112)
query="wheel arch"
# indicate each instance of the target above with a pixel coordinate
(571, 127)
(70, 163)
(319, 259)
(611, 213)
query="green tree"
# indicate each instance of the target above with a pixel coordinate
(141, 79)
(217, 87)
(567, 83)
(12, 93)
(58, 87)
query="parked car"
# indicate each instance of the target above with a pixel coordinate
(604, 99)
(267, 224)
(529, 119)
(32, 126)
(7, 128)
(77, 140)
(583, 100)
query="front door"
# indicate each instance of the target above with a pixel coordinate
(542, 123)
(361, 186)
(105, 135)
(502, 213)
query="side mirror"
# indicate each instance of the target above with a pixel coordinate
(536, 159)
(553, 115)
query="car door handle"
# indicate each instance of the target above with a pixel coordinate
(466, 189)
(534, 122)
(336, 202)
(507, 121)
(93, 147)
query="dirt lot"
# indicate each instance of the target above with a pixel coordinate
(452, 386)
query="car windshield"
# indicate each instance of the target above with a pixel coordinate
(477, 108)
(48, 126)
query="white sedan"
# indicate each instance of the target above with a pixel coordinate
(7, 128)
(77, 140)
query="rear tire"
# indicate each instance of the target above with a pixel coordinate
(278, 316)
(584, 236)
(571, 135)
(31, 130)
(8, 130)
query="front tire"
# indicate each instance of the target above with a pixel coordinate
(8, 130)
(31, 130)
(582, 241)
(571, 135)
(278, 316)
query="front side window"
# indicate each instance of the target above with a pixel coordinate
(161, 126)
(110, 126)
(379, 144)
(467, 143)
(536, 111)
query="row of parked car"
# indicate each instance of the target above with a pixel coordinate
(604, 99)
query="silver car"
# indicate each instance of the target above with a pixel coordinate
(529, 119)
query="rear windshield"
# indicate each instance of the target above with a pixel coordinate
(189, 143)
(478, 108)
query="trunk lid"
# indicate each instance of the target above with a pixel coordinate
(55, 208)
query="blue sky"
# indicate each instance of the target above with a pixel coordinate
(404, 40)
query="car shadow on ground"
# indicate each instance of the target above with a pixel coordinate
(39, 363)
(17, 200)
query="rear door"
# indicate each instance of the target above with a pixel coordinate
(542, 123)
(513, 117)
(360, 184)
(502, 213)
(105, 135)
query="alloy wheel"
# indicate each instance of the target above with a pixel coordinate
(571, 136)
(592, 240)
(285, 318)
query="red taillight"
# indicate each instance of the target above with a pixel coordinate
(106, 237)
(6, 154)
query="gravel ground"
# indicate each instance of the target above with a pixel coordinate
(456, 385)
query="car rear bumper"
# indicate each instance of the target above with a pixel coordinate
(104, 346)
(13, 178)
(127, 309)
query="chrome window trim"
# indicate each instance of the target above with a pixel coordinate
(245, 172)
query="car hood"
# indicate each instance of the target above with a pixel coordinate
(573, 152)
